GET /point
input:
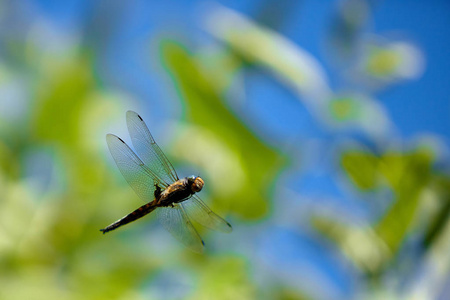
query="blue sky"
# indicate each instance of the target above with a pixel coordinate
(416, 106)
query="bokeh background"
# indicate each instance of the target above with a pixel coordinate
(321, 129)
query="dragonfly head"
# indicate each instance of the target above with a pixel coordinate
(196, 183)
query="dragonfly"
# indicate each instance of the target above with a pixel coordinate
(154, 179)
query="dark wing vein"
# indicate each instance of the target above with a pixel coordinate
(138, 175)
(148, 150)
(175, 221)
(201, 213)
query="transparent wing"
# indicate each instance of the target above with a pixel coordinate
(148, 150)
(175, 220)
(201, 213)
(137, 174)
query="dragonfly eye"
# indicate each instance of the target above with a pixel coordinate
(197, 185)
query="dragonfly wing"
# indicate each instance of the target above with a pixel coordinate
(201, 213)
(137, 174)
(148, 150)
(175, 220)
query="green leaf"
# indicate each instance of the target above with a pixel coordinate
(408, 175)
(361, 168)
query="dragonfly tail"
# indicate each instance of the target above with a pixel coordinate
(138, 213)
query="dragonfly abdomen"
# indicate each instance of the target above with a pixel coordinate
(138, 213)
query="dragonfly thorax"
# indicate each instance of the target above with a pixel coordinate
(180, 190)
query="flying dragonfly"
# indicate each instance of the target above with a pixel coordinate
(155, 181)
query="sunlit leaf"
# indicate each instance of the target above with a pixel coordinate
(407, 174)
(361, 167)
(360, 244)
(290, 63)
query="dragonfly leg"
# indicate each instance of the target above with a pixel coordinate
(157, 192)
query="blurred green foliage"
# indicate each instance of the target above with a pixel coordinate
(50, 244)
(409, 176)
(205, 106)
(50, 241)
